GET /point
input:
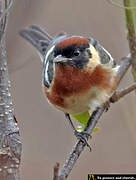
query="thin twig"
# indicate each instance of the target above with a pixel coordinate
(79, 146)
(121, 93)
(7, 8)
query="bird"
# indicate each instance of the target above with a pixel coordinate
(78, 74)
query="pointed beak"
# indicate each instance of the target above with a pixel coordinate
(61, 59)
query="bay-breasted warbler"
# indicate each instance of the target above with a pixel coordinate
(78, 74)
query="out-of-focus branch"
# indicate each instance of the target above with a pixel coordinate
(79, 146)
(56, 172)
(10, 145)
(131, 26)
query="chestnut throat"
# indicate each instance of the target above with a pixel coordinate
(71, 80)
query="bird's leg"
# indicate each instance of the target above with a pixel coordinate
(106, 105)
(70, 121)
(83, 136)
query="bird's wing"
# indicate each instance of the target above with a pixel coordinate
(37, 37)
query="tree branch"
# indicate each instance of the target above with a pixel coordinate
(10, 145)
(121, 93)
(130, 13)
(79, 146)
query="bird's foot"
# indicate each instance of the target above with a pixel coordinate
(106, 105)
(83, 136)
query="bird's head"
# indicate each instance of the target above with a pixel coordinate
(66, 52)
(75, 51)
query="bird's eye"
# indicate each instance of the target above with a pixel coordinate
(76, 52)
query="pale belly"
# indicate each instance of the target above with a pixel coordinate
(89, 102)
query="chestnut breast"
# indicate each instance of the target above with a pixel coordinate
(70, 81)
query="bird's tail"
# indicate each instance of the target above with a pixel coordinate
(37, 37)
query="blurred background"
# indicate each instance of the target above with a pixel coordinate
(46, 135)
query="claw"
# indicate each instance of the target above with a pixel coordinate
(106, 105)
(81, 136)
